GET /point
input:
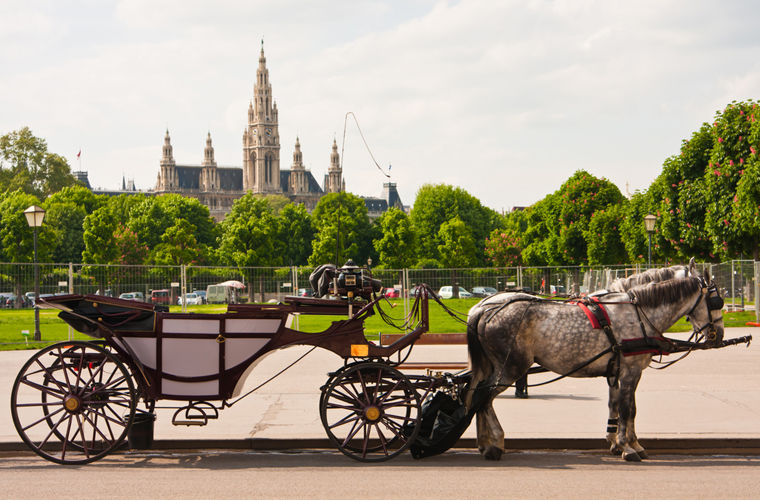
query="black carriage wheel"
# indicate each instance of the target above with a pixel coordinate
(370, 412)
(73, 402)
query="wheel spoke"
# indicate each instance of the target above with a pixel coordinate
(42, 388)
(344, 421)
(357, 425)
(46, 417)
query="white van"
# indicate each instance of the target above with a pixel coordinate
(221, 294)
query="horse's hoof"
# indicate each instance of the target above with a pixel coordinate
(521, 394)
(493, 453)
(615, 450)
(643, 454)
(632, 457)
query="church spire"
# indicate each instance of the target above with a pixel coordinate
(208, 153)
(168, 157)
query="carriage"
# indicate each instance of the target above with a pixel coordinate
(75, 402)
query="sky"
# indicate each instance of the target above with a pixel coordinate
(503, 98)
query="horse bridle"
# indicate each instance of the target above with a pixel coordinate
(714, 302)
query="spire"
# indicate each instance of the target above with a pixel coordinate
(297, 156)
(334, 157)
(208, 153)
(167, 158)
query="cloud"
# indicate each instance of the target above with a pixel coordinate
(506, 99)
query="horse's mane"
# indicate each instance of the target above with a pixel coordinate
(666, 292)
(649, 276)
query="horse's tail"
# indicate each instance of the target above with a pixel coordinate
(480, 366)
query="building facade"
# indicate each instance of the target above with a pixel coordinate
(218, 187)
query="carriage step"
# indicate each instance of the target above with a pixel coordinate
(196, 413)
(189, 422)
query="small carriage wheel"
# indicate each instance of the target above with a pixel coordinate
(370, 412)
(73, 402)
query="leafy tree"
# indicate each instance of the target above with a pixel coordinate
(344, 214)
(17, 238)
(605, 245)
(632, 231)
(248, 234)
(295, 234)
(129, 250)
(151, 216)
(438, 204)
(26, 164)
(99, 243)
(457, 248)
(66, 211)
(503, 248)
(178, 246)
(396, 248)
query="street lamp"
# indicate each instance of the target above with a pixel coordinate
(34, 216)
(369, 263)
(649, 221)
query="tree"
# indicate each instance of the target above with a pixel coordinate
(17, 238)
(342, 214)
(248, 234)
(457, 248)
(397, 247)
(151, 216)
(557, 229)
(99, 243)
(295, 234)
(66, 211)
(503, 248)
(26, 164)
(605, 246)
(438, 204)
(178, 246)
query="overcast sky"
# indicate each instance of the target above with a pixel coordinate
(506, 99)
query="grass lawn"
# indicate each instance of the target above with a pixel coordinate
(12, 322)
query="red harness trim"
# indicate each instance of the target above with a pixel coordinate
(590, 315)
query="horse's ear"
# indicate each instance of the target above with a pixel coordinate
(692, 267)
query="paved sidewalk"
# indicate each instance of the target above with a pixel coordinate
(709, 395)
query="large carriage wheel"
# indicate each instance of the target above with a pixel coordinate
(73, 402)
(370, 411)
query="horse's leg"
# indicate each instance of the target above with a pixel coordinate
(612, 420)
(629, 380)
(490, 433)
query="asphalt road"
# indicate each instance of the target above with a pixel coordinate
(325, 474)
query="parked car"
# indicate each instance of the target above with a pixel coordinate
(391, 293)
(193, 299)
(304, 292)
(136, 296)
(201, 294)
(483, 291)
(447, 292)
(160, 297)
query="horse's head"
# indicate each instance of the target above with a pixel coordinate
(707, 313)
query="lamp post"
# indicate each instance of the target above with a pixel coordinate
(34, 216)
(649, 221)
(369, 263)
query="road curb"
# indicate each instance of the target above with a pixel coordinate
(690, 446)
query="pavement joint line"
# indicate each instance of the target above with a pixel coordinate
(691, 446)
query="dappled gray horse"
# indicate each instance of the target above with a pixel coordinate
(506, 333)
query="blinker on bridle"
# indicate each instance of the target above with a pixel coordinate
(714, 302)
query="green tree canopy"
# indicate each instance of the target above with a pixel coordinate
(16, 237)
(397, 246)
(342, 214)
(295, 234)
(437, 204)
(26, 164)
(249, 234)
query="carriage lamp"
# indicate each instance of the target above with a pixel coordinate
(34, 216)
(649, 221)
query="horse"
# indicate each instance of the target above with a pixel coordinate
(648, 276)
(507, 333)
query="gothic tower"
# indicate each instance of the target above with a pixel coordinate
(209, 179)
(298, 182)
(334, 178)
(261, 139)
(167, 176)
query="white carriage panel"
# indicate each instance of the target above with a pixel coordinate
(144, 348)
(172, 325)
(190, 357)
(238, 350)
(252, 325)
(176, 388)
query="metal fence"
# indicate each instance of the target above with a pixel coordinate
(736, 279)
